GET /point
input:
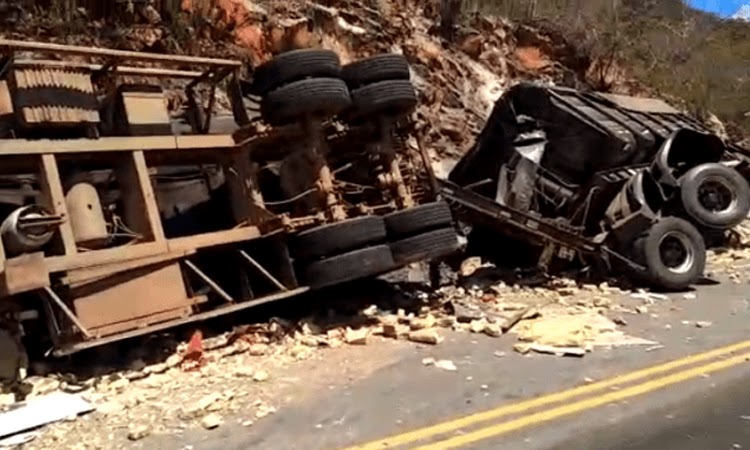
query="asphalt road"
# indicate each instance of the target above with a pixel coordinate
(696, 405)
(718, 418)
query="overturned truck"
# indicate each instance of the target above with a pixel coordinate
(617, 183)
(121, 219)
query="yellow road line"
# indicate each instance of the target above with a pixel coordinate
(586, 404)
(515, 408)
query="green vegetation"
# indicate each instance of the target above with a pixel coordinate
(664, 44)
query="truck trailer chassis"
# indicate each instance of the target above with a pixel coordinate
(87, 257)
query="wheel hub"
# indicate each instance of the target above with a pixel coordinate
(716, 195)
(676, 252)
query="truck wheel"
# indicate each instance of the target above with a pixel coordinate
(390, 98)
(337, 238)
(432, 244)
(293, 66)
(389, 66)
(673, 253)
(362, 263)
(419, 218)
(322, 97)
(715, 196)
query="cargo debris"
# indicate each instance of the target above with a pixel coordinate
(53, 407)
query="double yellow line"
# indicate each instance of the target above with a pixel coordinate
(494, 430)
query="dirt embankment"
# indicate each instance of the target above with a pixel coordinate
(458, 81)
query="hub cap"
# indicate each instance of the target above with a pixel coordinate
(716, 195)
(676, 252)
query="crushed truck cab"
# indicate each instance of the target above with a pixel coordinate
(621, 183)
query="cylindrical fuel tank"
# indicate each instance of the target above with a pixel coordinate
(17, 240)
(86, 215)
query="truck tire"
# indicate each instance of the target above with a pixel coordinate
(293, 66)
(420, 218)
(322, 97)
(390, 98)
(362, 263)
(432, 244)
(673, 253)
(715, 196)
(337, 238)
(388, 66)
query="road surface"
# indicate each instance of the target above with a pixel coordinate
(500, 399)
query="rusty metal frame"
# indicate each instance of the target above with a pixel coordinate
(474, 204)
(227, 309)
(77, 269)
(68, 312)
(8, 45)
(108, 267)
(211, 283)
(215, 69)
(262, 270)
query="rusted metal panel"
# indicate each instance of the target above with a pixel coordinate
(79, 277)
(105, 144)
(106, 256)
(224, 310)
(132, 299)
(24, 273)
(145, 108)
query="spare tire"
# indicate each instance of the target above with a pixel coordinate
(673, 253)
(389, 66)
(293, 66)
(337, 238)
(715, 196)
(318, 97)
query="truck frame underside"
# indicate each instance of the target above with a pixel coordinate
(94, 295)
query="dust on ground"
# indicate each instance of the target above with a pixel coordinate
(253, 371)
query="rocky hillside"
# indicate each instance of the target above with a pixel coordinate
(628, 46)
(674, 49)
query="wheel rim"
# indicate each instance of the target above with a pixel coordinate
(676, 252)
(716, 195)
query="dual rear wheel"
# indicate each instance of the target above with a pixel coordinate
(369, 246)
(311, 83)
